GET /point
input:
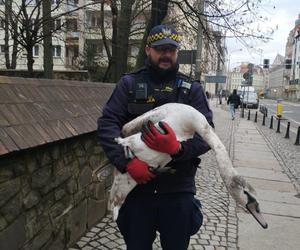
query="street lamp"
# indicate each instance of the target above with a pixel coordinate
(228, 85)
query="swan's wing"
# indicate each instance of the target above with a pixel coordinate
(135, 125)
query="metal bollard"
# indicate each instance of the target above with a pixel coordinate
(278, 126)
(298, 137)
(264, 120)
(287, 134)
(255, 118)
(271, 122)
(242, 114)
(248, 115)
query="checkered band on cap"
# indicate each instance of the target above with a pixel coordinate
(162, 34)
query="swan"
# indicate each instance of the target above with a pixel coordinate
(185, 121)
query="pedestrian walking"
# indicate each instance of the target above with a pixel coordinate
(160, 202)
(207, 95)
(234, 101)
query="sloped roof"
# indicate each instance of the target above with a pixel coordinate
(38, 111)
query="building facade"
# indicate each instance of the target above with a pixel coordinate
(77, 29)
(277, 86)
(236, 78)
(294, 89)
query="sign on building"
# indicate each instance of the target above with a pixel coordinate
(215, 79)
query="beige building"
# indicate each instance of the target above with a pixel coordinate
(284, 81)
(294, 88)
(236, 78)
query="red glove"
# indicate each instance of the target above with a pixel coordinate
(163, 142)
(139, 171)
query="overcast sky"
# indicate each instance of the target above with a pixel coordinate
(284, 15)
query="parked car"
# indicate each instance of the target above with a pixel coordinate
(249, 100)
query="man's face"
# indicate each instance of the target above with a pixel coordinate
(163, 56)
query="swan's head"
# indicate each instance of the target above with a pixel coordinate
(244, 194)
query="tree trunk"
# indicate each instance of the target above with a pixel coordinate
(6, 33)
(30, 61)
(47, 40)
(124, 24)
(14, 53)
(105, 42)
(159, 11)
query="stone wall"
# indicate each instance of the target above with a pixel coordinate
(50, 195)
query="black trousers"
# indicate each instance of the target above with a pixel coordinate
(175, 216)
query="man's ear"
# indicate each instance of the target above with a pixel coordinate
(147, 50)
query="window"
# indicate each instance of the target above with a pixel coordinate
(2, 49)
(35, 51)
(72, 2)
(29, 2)
(56, 51)
(93, 46)
(56, 24)
(93, 19)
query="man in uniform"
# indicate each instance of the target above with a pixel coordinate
(163, 203)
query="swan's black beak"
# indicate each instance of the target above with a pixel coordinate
(253, 208)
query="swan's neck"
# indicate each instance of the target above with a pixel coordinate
(224, 162)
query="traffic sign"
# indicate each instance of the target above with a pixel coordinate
(215, 79)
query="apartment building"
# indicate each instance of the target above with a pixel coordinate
(65, 40)
(294, 89)
(79, 31)
(74, 32)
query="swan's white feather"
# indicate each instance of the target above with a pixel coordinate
(185, 121)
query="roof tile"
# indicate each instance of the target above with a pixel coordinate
(38, 111)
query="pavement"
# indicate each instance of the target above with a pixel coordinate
(268, 161)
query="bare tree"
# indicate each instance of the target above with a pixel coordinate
(124, 22)
(111, 53)
(159, 11)
(10, 63)
(231, 18)
(27, 23)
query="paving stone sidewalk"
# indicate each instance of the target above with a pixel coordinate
(219, 230)
(285, 150)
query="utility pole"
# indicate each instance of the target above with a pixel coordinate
(200, 4)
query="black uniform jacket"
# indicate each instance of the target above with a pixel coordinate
(118, 112)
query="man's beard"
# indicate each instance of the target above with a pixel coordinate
(163, 72)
